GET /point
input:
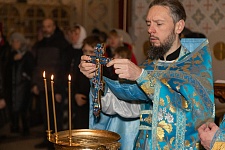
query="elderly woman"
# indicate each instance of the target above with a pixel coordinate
(21, 67)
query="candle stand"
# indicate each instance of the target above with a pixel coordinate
(82, 139)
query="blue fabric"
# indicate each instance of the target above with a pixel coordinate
(183, 98)
(126, 128)
(126, 90)
(195, 43)
(176, 99)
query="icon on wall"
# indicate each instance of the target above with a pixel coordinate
(219, 50)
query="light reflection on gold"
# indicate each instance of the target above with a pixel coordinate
(219, 50)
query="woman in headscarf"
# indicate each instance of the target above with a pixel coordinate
(77, 34)
(22, 64)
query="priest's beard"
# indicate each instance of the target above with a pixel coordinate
(155, 52)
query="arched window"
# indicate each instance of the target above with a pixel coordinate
(10, 18)
(61, 17)
(34, 17)
(27, 18)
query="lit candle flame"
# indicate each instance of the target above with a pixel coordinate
(69, 101)
(44, 74)
(52, 77)
(69, 77)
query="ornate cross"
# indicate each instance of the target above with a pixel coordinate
(97, 81)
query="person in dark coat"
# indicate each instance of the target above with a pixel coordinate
(50, 56)
(21, 66)
(76, 36)
(4, 60)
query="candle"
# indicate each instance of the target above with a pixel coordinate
(46, 98)
(69, 99)
(53, 103)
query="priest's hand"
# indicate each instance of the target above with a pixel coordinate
(87, 68)
(125, 69)
(206, 134)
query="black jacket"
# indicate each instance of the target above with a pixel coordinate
(4, 61)
(50, 56)
(21, 79)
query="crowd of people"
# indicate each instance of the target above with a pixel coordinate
(57, 52)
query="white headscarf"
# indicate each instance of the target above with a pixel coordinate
(82, 36)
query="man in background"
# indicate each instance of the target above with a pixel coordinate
(50, 55)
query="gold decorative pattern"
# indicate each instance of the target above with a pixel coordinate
(172, 109)
(160, 134)
(141, 117)
(147, 89)
(184, 103)
(178, 88)
(166, 147)
(164, 81)
(148, 119)
(219, 146)
(161, 102)
(171, 140)
(165, 126)
(168, 98)
(187, 143)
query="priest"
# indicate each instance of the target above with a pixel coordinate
(173, 88)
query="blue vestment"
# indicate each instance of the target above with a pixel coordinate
(176, 98)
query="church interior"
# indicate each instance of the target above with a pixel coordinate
(205, 17)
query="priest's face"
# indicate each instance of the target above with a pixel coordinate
(161, 29)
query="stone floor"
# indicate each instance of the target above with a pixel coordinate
(10, 141)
